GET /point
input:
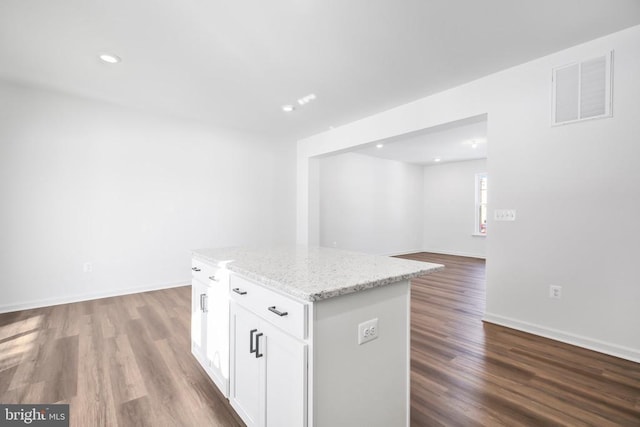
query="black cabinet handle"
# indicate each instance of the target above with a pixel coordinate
(195, 268)
(258, 354)
(251, 349)
(239, 292)
(213, 278)
(276, 311)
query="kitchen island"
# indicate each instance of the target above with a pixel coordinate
(306, 336)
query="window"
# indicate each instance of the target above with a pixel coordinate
(481, 205)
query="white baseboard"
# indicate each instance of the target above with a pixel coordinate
(86, 297)
(566, 337)
(408, 251)
(456, 253)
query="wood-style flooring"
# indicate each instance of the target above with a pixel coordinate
(466, 373)
(122, 361)
(126, 361)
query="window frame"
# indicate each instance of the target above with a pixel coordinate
(477, 228)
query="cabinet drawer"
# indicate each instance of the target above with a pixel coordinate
(286, 313)
(206, 272)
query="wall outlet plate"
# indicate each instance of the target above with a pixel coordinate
(555, 291)
(367, 331)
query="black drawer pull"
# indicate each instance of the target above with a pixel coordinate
(258, 354)
(195, 268)
(276, 311)
(239, 292)
(251, 348)
(213, 278)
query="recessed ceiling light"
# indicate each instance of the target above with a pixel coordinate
(109, 58)
(379, 145)
(474, 142)
(437, 159)
(288, 108)
(307, 99)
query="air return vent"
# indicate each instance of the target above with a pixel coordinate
(582, 90)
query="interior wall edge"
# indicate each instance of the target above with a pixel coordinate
(47, 302)
(566, 337)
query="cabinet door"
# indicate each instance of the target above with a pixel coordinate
(247, 371)
(217, 353)
(198, 320)
(286, 378)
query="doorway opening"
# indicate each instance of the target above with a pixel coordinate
(425, 191)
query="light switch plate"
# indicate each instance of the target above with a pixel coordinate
(504, 215)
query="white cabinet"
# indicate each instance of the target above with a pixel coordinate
(247, 368)
(286, 370)
(268, 371)
(286, 362)
(210, 321)
(198, 319)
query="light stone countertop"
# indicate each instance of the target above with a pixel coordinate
(314, 273)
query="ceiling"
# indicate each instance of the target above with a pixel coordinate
(452, 142)
(235, 63)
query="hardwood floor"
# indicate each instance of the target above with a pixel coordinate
(466, 373)
(122, 361)
(125, 361)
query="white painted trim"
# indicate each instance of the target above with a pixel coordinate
(566, 337)
(476, 217)
(407, 252)
(456, 253)
(86, 297)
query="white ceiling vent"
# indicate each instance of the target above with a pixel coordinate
(582, 90)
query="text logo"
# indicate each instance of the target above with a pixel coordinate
(34, 415)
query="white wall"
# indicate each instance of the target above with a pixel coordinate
(84, 181)
(388, 207)
(575, 189)
(370, 205)
(449, 209)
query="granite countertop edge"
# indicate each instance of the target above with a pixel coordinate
(330, 293)
(313, 296)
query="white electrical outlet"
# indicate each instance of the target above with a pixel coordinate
(87, 267)
(555, 291)
(504, 215)
(367, 331)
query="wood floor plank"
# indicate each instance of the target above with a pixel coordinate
(6, 375)
(93, 403)
(125, 377)
(137, 413)
(61, 378)
(153, 322)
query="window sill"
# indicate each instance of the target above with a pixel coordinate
(478, 235)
